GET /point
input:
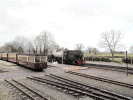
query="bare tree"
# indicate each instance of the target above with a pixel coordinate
(53, 46)
(35, 45)
(89, 49)
(21, 43)
(111, 41)
(47, 39)
(131, 49)
(79, 47)
(9, 47)
(43, 42)
(2, 50)
(95, 51)
(39, 40)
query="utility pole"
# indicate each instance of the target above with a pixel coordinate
(62, 59)
(126, 64)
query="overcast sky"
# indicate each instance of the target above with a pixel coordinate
(71, 21)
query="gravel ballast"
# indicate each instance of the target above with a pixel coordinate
(102, 85)
(12, 71)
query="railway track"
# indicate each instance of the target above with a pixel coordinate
(109, 67)
(101, 79)
(77, 88)
(28, 93)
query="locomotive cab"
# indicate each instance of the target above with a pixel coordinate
(74, 57)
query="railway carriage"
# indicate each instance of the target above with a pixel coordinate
(13, 57)
(37, 62)
(5, 56)
(0, 56)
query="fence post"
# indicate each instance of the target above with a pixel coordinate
(92, 58)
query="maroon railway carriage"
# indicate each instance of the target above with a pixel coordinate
(13, 57)
(4, 56)
(0, 56)
(37, 62)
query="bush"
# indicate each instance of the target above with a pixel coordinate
(127, 61)
(97, 59)
(105, 59)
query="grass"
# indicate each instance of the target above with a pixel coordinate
(106, 55)
(118, 59)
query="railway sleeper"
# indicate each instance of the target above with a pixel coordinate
(68, 88)
(102, 79)
(88, 86)
(81, 89)
(27, 90)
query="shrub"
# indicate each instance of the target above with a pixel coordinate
(97, 59)
(127, 61)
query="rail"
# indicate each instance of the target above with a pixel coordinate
(30, 96)
(102, 79)
(70, 85)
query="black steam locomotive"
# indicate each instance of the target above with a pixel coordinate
(67, 57)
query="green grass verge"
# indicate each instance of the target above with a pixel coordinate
(117, 56)
(106, 55)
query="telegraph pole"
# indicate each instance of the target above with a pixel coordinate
(62, 59)
(126, 64)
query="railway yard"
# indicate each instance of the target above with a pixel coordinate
(93, 81)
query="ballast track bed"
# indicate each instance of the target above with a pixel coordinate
(29, 93)
(101, 79)
(80, 88)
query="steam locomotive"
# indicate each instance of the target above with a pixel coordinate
(68, 57)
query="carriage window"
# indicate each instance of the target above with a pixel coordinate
(23, 58)
(44, 59)
(37, 59)
(31, 59)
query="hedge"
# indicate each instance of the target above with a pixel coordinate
(127, 61)
(97, 59)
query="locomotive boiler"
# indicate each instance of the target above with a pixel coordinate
(67, 57)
